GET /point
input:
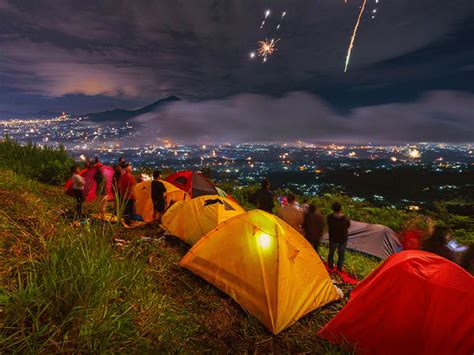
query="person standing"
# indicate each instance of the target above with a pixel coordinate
(338, 228)
(78, 184)
(438, 243)
(292, 213)
(158, 191)
(264, 198)
(116, 177)
(126, 184)
(101, 183)
(467, 262)
(313, 226)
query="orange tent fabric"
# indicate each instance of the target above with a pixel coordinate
(144, 203)
(190, 220)
(264, 265)
(414, 303)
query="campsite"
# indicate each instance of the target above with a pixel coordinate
(218, 276)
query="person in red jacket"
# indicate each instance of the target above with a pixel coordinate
(126, 183)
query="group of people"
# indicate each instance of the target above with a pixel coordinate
(308, 220)
(123, 184)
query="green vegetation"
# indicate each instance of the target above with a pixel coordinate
(102, 288)
(45, 164)
(399, 220)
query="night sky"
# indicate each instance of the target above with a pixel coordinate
(411, 75)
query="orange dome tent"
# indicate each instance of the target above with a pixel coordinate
(190, 220)
(414, 303)
(264, 265)
(144, 203)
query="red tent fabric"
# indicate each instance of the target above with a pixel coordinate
(414, 303)
(194, 184)
(412, 239)
(90, 187)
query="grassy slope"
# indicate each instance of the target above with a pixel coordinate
(74, 289)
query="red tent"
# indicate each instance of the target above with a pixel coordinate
(414, 303)
(90, 188)
(194, 184)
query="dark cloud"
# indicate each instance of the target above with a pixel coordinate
(132, 52)
(299, 115)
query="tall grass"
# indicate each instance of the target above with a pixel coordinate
(83, 298)
(45, 164)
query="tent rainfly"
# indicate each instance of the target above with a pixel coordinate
(190, 220)
(414, 303)
(264, 265)
(371, 239)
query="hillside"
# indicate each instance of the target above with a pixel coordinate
(124, 115)
(98, 287)
(78, 289)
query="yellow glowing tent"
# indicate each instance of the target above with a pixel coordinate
(264, 265)
(190, 220)
(144, 204)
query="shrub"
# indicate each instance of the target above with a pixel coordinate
(45, 164)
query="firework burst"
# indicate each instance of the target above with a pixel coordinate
(266, 48)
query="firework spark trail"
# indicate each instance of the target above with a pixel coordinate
(354, 34)
(267, 13)
(283, 14)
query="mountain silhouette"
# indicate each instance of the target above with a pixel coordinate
(124, 115)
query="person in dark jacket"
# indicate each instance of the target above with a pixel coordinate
(158, 191)
(264, 198)
(313, 225)
(116, 177)
(338, 228)
(467, 261)
(438, 243)
(78, 184)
